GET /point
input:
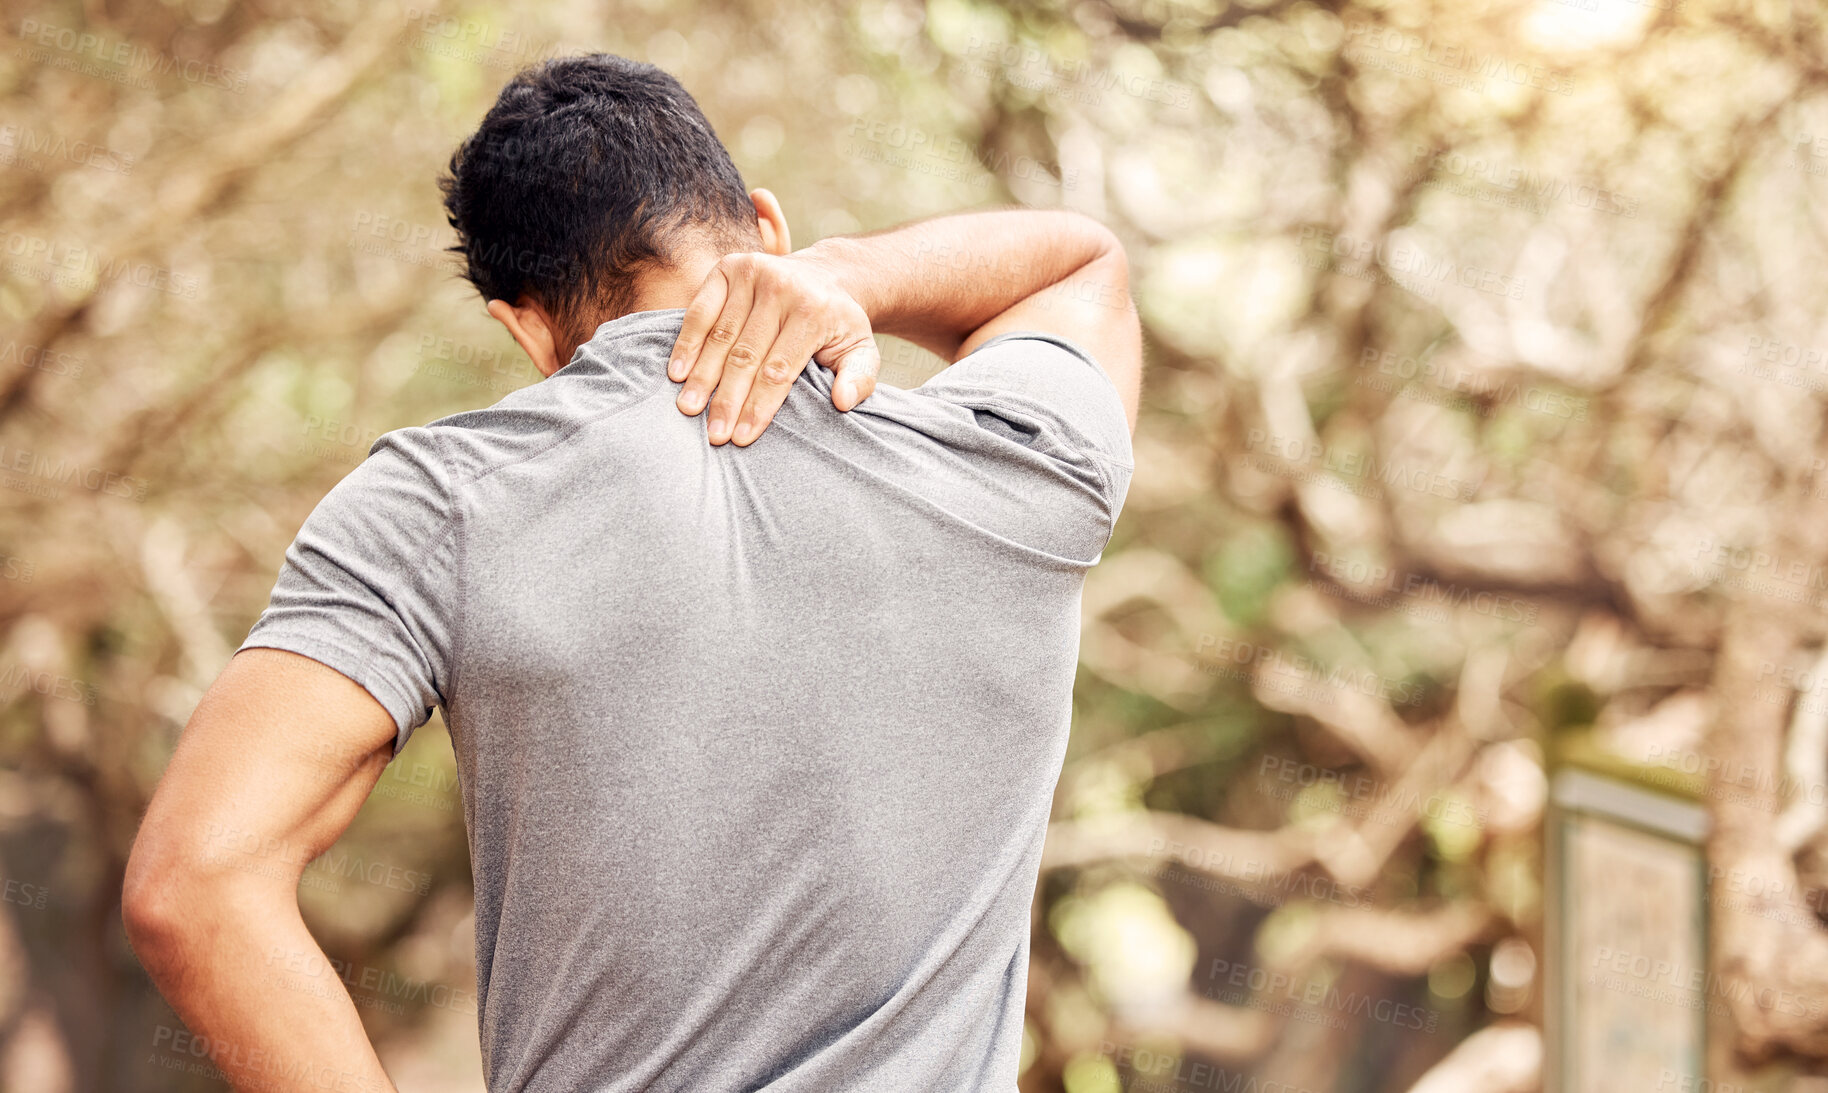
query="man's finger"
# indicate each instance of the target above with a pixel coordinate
(857, 367)
(701, 314)
(741, 362)
(707, 371)
(785, 360)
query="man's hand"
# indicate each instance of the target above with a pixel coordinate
(749, 332)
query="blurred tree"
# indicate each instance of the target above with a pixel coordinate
(1484, 427)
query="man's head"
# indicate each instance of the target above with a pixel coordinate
(593, 188)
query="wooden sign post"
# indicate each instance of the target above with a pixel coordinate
(1626, 938)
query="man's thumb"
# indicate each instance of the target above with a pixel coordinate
(857, 371)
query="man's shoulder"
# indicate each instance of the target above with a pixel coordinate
(524, 424)
(1051, 377)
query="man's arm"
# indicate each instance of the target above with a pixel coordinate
(948, 284)
(952, 283)
(275, 763)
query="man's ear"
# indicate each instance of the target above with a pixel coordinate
(531, 327)
(772, 222)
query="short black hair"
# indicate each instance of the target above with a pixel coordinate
(584, 172)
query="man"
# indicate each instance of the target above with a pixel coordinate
(758, 708)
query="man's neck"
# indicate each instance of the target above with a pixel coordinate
(662, 287)
(672, 285)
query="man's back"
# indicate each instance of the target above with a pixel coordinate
(756, 745)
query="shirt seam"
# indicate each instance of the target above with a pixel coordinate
(456, 525)
(452, 529)
(391, 595)
(567, 433)
(433, 539)
(460, 557)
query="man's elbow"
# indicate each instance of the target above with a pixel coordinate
(159, 906)
(1106, 247)
(149, 910)
(1108, 268)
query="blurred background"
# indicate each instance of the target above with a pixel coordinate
(1454, 706)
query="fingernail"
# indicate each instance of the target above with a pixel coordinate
(745, 432)
(675, 370)
(718, 424)
(846, 391)
(692, 401)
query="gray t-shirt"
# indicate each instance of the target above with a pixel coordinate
(756, 745)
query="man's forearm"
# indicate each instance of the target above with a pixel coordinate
(935, 281)
(254, 988)
(950, 285)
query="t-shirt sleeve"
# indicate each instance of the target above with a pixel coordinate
(1050, 380)
(365, 587)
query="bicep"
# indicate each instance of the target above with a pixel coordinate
(1091, 308)
(269, 772)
